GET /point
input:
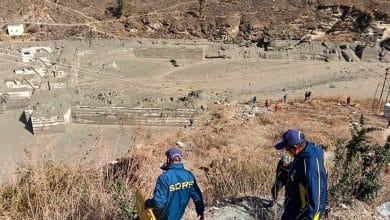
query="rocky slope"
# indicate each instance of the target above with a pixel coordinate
(228, 20)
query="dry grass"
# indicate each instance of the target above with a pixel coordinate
(230, 156)
(57, 191)
(92, 188)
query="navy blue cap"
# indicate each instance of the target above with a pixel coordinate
(173, 152)
(291, 138)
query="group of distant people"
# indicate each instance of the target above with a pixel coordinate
(301, 170)
(284, 100)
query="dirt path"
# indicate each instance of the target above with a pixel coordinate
(71, 9)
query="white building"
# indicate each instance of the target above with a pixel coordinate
(15, 29)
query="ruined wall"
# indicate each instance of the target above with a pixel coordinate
(14, 104)
(131, 116)
(178, 53)
(50, 124)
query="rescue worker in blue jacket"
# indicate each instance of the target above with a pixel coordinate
(307, 183)
(174, 188)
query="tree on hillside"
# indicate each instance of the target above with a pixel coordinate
(119, 8)
(358, 166)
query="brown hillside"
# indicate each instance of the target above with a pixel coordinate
(229, 19)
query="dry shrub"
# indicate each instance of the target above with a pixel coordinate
(265, 119)
(324, 140)
(384, 193)
(59, 191)
(234, 176)
(92, 188)
(222, 114)
(149, 160)
(357, 210)
(207, 141)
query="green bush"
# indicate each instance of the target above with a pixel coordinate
(358, 166)
(119, 8)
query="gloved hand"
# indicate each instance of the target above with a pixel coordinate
(149, 203)
(272, 203)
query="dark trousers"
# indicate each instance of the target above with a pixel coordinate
(276, 188)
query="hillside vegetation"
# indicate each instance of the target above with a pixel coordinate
(230, 151)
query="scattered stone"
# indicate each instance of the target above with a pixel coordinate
(384, 209)
(343, 206)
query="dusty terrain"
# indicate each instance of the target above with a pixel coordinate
(140, 82)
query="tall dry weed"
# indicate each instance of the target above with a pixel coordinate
(93, 187)
(238, 176)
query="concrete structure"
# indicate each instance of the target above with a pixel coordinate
(41, 123)
(57, 84)
(16, 84)
(59, 74)
(24, 71)
(371, 54)
(15, 29)
(29, 53)
(132, 116)
(14, 104)
(19, 93)
(29, 72)
(50, 124)
(178, 53)
(34, 82)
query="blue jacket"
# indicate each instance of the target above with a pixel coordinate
(307, 185)
(173, 191)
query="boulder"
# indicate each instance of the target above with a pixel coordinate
(384, 209)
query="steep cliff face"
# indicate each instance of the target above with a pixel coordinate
(215, 20)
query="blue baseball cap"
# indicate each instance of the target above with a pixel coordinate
(291, 138)
(173, 152)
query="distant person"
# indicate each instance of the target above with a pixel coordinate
(266, 105)
(349, 100)
(174, 188)
(387, 168)
(254, 101)
(285, 98)
(265, 43)
(307, 182)
(277, 107)
(306, 95)
(281, 176)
